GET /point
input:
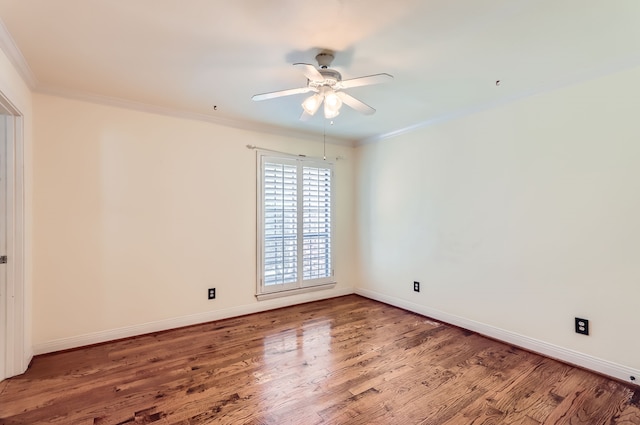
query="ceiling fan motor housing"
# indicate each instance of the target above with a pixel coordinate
(331, 78)
(324, 59)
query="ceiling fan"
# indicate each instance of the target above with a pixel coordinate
(327, 86)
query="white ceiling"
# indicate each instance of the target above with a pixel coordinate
(185, 56)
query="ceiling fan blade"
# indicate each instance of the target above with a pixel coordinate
(366, 81)
(310, 71)
(274, 94)
(356, 104)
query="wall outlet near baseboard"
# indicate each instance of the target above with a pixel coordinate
(416, 286)
(211, 294)
(582, 326)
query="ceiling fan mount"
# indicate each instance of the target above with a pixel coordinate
(327, 86)
(331, 76)
(324, 59)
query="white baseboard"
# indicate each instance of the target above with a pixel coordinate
(178, 322)
(595, 364)
(576, 358)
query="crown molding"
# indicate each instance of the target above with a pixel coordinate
(579, 76)
(179, 113)
(15, 56)
(9, 47)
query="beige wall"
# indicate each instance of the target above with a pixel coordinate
(138, 214)
(517, 218)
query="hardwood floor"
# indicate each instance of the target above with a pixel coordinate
(347, 360)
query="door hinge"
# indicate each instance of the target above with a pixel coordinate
(3, 259)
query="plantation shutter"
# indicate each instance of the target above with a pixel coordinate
(295, 227)
(316, 227)
(280, 223)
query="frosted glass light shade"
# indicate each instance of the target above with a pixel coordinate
(332, 105)
(312, 103)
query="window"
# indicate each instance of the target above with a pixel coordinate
(295, 224)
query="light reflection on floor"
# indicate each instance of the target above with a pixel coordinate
(284, 353)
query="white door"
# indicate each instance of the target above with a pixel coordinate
(14, 353)
(3, 245)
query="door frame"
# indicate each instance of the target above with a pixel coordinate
(17, 354)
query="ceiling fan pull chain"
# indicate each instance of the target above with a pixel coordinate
(324, 140)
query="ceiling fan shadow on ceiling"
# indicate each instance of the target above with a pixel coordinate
(327, 85)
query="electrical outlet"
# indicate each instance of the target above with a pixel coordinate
(582, 326)
(212, 293)
(416, 286)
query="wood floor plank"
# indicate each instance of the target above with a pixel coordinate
(343, 360)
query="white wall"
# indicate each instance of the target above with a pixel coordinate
(516, 219)
(137, 214)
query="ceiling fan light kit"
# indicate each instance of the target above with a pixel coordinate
(312, 103)
(332, 105)
(327, 85)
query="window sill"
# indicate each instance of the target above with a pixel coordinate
(280, 294)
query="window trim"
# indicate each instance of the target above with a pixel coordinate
(300, 286)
